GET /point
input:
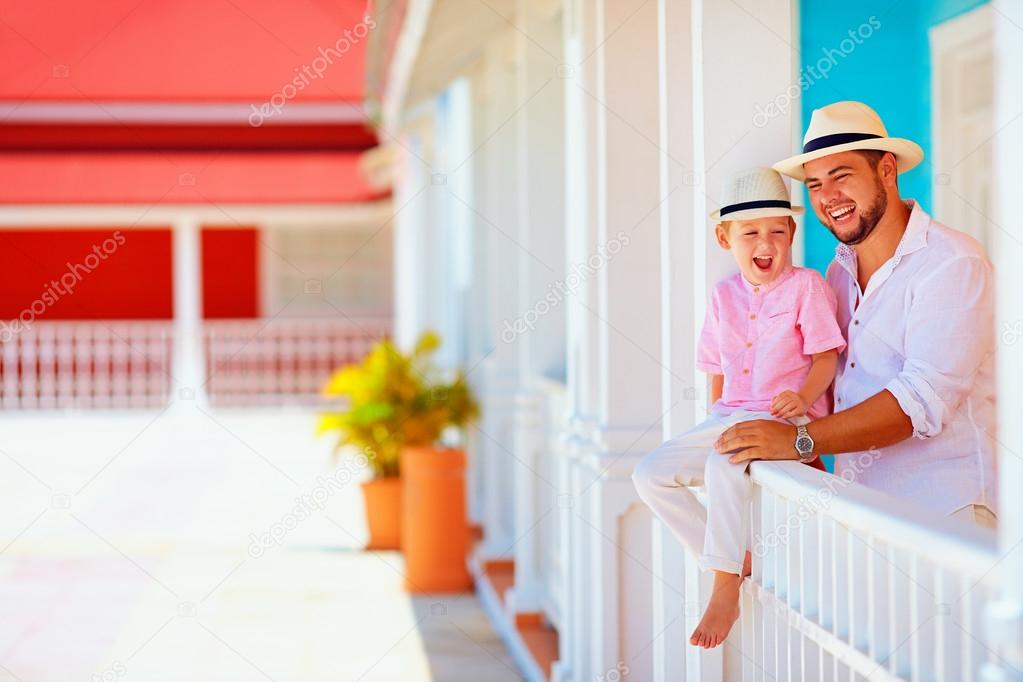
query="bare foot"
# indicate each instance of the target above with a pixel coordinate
(721, 613)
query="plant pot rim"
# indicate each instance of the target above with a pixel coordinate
(382, 479)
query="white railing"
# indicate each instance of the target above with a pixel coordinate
(848, 583)
(86, 364)
(551, 497)
(851, 584)
(282, 360)
(115, 364)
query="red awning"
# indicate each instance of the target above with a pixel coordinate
(178, 177)
(184, 50)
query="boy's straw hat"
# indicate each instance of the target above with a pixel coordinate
(755, 193)
(843, 127)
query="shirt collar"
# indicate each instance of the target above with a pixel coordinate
(913, 239)
(764, 288)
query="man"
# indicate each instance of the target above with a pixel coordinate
(916, 304)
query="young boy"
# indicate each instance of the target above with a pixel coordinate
(770, 344)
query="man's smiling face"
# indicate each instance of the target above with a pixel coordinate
(847, 192)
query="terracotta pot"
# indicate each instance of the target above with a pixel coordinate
(435, 530)
(382, 497)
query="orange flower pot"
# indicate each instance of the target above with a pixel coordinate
(382, 497)
(435, 530)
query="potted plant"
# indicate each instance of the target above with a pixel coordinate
(390, 402)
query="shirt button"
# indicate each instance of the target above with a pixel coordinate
(838, 400)
(752, 316)
(745, 371)
(756, 290)
(856, 321)
(852, 364)
(749, 344)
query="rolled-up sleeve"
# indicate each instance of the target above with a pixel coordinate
(949, 333)
(708, 351)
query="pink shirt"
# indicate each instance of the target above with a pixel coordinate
(761, 337)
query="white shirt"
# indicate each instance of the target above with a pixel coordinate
(924, 330)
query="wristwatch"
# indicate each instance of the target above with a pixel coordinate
(804, 445)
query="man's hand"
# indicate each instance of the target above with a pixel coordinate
(759, 439)
(789, 404)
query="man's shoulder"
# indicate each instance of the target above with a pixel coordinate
(946, 243)
(835, 274)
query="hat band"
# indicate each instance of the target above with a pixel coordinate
(762, 203)
(836, 139)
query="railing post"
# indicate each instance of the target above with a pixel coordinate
(527, 444)
(189, 361)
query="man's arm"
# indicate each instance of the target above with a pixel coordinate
(875, 423)
(950, 333)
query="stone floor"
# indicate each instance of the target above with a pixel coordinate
(202, 545)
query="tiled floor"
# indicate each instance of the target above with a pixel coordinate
(130, 549)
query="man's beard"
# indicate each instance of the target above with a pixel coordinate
(869, 218)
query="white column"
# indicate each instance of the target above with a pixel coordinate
(681, 245)
(189, 359)
(411, 205)
(496, 221)
(1005, 626)
(580, 24)
(540, 281)
(624, 346)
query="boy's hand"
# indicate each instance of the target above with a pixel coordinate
(789, 404)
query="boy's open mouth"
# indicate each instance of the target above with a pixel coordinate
(842, 215)
(763, 263)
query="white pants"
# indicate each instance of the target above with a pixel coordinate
(719, 534)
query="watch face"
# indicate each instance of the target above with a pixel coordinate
(804, 444)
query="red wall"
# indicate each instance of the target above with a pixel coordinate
(230, 272)
(128, 275)
(129, 278)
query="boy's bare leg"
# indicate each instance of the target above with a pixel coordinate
(722, 611)
(723, 608)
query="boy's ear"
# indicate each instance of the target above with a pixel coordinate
(792, 230)
(721, 232)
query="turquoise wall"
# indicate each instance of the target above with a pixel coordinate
(890, 70)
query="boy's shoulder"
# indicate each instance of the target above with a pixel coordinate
(728, 286)
(807, 274)
(808, 280)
